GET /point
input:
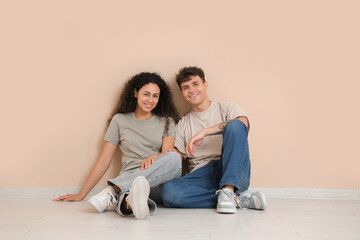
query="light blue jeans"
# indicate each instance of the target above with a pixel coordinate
(197, 189)
(165, 168)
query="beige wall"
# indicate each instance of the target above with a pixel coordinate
(292, 65)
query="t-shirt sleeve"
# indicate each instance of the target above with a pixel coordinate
(171, 129)
(113, 132)
(232, 110)
(179, 140)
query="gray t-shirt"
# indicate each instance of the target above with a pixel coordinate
(194, 122)
(137, 139)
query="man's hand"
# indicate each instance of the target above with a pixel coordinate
(148, 161)
(194, 143)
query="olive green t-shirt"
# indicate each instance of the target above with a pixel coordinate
(137, 139)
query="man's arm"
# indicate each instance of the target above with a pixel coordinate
(219, 128)
(198, 138)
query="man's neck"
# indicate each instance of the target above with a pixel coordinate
(201, 106)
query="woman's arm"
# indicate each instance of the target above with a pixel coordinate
(168, 143)
(98, 171)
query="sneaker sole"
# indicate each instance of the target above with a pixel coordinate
(225, 210)
(139, 193)
(96, 204)
(261, 199)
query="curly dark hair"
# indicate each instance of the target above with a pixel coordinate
(186, 73)
(165, 106)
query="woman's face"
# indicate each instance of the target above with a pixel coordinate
(147, 97)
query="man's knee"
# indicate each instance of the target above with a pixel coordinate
(235, 125)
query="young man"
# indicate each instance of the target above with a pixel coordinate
(213, 138)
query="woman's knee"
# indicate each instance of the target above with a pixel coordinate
(173, 159)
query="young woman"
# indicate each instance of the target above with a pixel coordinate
(144, 129)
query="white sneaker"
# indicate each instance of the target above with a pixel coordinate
(138, 197)
(252, 200)
(107, 197)
(226, 202)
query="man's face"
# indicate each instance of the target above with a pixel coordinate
(194, 90)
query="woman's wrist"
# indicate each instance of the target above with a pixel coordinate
(82, 195)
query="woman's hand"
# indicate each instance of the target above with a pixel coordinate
(69, 198)
(170, 150)
(148, 161)
(174, 150)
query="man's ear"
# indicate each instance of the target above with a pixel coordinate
(206, 84)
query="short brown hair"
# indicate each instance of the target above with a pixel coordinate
(186, 73)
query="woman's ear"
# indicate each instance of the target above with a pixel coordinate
(135, 93)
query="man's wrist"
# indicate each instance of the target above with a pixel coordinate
(215, 130)
(206, 132)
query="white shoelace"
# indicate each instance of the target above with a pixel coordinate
(245, 200)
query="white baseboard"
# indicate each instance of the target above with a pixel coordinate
(310, 193)
(43, 192)
(271, 193)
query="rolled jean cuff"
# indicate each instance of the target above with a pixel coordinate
(151, 203)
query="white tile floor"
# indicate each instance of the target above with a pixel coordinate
(284, 219)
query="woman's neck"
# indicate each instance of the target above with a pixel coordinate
(142, 115)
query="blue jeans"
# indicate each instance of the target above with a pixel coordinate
(197, 189)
